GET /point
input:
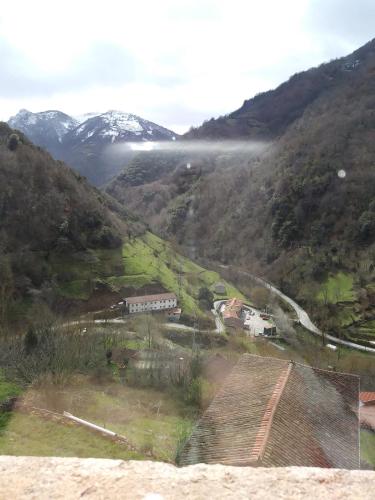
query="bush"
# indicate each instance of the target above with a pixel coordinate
(13, 142)
(206, 298)
(193, 393)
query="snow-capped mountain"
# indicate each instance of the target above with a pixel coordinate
(85, 116)
(46, 129)
(84, 141)
(116, 126)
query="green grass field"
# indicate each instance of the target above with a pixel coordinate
(368, 447)
(141, 261)
(337, 288)
(151, 257)
(31, 435)
(367, 328)
(151, 420)
(7, 389)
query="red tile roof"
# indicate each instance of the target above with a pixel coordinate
(275, 413)
(264, 430)
(233, 308)
(366, 397)
(150, 298)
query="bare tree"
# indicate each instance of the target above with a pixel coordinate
(6, 290)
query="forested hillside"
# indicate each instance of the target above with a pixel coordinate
(300, 211)
(48, 213)
(72, 248)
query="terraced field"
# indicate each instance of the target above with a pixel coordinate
(147, 260)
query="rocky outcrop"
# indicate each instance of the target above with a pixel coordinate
(71, 478)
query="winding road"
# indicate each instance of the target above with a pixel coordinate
(303, 317)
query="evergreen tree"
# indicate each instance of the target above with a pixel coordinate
(30, 340)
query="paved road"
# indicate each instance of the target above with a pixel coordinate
(220, 328)
(304, 318)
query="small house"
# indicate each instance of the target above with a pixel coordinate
(220, 289)
(232, 314)
(269, 329)
(174, 315)
(367, 411)
(367, 398)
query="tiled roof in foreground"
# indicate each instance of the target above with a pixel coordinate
(276, 413)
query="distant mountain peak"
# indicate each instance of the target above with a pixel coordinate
(119, 126)
(82, 140)
(85, 116)
(44, 127)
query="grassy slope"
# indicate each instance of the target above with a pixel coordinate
(142, 261)
(367, 328)
(337, 288)
(31, 435)
(152, 420)
(368, 447)
(7, 389)
(151, 257)
(134, 414)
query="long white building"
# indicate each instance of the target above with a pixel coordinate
(145, 303)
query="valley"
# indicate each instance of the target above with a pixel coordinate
(88, 142)
(259, 225)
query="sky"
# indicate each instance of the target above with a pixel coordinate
(174, 62)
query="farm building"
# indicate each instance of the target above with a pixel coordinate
(367, 398)
(257, 326)
(276, 413)
(148, 303)
(232, 314)
(220, 289)
(174, 315)
(269, 329)
(367, 412)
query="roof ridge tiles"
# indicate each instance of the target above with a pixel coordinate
(285, 361)
(261, 439)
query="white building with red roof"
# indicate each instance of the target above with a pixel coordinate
(149, 303)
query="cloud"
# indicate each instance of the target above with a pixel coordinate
(176, 63)
(101, 65)
(342, 23)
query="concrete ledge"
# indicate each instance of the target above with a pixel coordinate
(71, 478)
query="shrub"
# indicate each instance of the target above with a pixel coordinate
(13, 142)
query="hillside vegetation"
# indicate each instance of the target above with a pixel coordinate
(72, 247)
(301, 209)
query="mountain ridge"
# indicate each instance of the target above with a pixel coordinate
(301, 211)
(85, 145)
(269, 113)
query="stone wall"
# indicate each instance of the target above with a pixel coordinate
(73, 478)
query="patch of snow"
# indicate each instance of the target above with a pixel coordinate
(90, 133)
(110, 132)
(85, 116)
(31, 120)
(122, 121)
